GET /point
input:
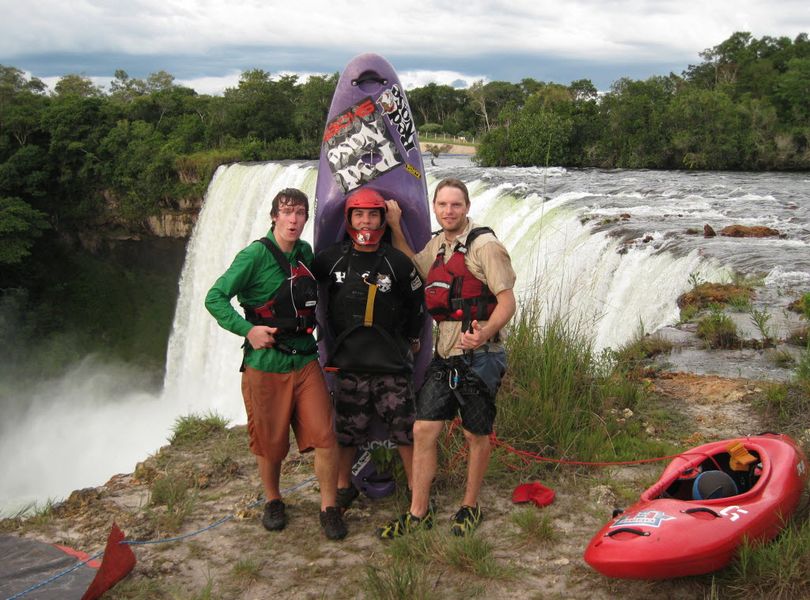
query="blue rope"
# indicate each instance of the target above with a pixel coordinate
(178, 538)
(53, 578)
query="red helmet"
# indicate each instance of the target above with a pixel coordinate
(365, 198)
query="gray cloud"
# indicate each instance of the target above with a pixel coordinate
(205, 40)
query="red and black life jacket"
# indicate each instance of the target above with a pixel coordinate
(452, 293)
(292, 307)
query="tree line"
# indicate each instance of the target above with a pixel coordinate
(79, 156)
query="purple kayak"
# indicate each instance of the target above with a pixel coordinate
(370, 141)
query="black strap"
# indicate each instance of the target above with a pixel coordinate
(475, 232)
(277, 254)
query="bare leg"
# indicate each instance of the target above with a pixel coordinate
(425, 438)
(345, 462)
(406, 454)
(270, 473)
(480, 451)
(326, 470)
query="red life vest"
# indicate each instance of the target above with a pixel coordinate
(452, 293)
(292, 307)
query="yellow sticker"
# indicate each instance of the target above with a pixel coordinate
(413, 171)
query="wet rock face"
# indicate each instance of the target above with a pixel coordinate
(746, 231)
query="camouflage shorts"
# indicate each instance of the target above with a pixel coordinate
(363, 400)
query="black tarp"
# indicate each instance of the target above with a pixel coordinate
(25, 562)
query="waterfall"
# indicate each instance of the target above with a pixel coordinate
(202, 360)
(561, 263)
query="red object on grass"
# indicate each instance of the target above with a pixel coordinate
(118, 561)
(533, 492)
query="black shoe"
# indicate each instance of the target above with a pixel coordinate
(466, 520)
(345, 497)
(332, 523)
(274, 517)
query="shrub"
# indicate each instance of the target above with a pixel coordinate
(194, 428)
(718, 330)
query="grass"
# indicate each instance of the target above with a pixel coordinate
(634, 357)
(718, 330)
(414, 562)
(558, 393)
(408, 582)
(761, 318)
(779, 569)
(535, 525)
(193, 428)
(246, 571)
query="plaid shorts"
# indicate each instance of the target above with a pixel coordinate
(363, 401)
(454, 386)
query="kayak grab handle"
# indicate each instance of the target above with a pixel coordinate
(689, 511)
(369, 76)
(627, 530)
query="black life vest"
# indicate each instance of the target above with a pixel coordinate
(292, 307)
(358, 309)
(452, 293)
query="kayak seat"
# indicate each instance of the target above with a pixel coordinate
(711, 485)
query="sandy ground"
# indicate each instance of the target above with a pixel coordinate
(454, 148)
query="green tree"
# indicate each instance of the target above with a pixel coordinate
(312, 107)
(77, 85)
(20, 225)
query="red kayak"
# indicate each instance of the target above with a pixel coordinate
(706, 502)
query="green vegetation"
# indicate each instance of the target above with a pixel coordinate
(779, 569)
(743, 107)
(561, 399)
(535, 526)
(414, 562)
(718, 330)
(193, 428)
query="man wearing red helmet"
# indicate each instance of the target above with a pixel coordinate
(468, 278)
(374, 315)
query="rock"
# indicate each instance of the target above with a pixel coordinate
(708, 231)
(757, 231)
(602, 494)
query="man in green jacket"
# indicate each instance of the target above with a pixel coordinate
(282, 382)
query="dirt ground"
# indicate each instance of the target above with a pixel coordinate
(239, 559)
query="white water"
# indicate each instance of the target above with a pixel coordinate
(95, 422)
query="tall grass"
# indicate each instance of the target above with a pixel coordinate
(558, 393)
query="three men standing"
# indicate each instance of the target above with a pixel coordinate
(375, 317)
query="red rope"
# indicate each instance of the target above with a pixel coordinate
(529, 457)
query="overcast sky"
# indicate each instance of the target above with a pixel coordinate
(206, 44)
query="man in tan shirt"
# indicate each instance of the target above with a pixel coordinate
(468, 289)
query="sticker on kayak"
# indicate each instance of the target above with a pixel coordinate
(645, 518)
(395, 106)
(358, 147)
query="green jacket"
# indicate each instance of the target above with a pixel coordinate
(253, 277)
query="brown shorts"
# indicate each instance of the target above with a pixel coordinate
(274, 401)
